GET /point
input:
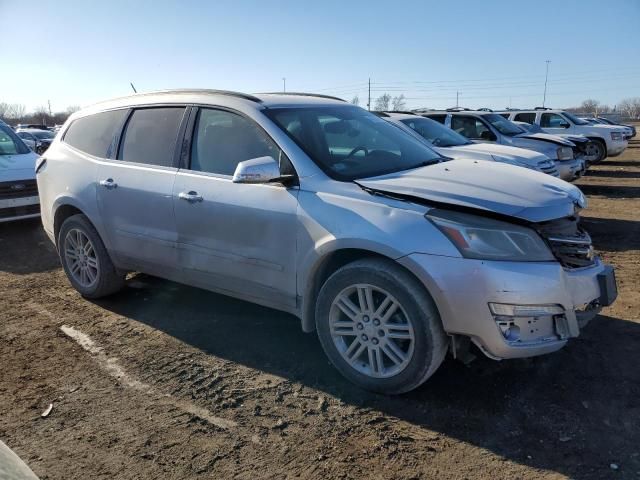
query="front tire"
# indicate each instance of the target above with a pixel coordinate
(596, 151)
(379, 327)
(85, 259)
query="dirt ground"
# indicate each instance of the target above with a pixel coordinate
(164, 381)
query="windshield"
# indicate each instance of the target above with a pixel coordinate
(348, 143)
(42, 134)
(435, 133)
(10, 144)
(504, 126)
(574, 119)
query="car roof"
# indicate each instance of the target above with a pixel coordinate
(205, 96)
(29, 130)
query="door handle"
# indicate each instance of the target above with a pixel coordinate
(108, 183)
(190, 197)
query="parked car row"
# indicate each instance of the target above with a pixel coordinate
(18, 190)
(360, 225)
(629, 130)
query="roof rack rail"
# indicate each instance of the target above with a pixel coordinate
(509, 109)
(304, 94)
(422, 110)
(458, 109)
(380, 114)
(484, 109)
(211, 91)
(542, 108)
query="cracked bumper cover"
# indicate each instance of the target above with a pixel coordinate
(463, 288)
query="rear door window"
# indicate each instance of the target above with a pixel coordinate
(150, 136)
(94, 134)
(438, 118)
(527, 117)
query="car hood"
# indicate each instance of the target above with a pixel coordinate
(547, 137)
(17, 167)
(504, 151)
(485, 186)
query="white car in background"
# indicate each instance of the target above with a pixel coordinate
(18, 189)
(453, 145)
(485, 126)
(608, 140)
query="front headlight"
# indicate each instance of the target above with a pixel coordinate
(565, 153)
(616, 136)
(489, 239)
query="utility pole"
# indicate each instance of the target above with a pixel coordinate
(457, 95)
(49, 102)
(369, 101)
(284, 85)
(546, 76)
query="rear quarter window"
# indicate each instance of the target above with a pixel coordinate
(94, 134)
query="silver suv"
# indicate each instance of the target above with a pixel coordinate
(319, 208)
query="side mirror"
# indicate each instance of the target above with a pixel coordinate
(259, 170)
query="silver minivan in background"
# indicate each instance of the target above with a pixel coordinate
(316, 207)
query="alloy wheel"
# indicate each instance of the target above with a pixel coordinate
(80, 257)
(371, 331)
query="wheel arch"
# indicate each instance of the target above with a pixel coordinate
(601, 141)
(328, 264)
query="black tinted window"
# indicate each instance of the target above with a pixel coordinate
(529, 117)
(150, 136)
(94, 134)
(438, 118)
(223, 139)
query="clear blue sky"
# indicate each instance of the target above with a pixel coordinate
(493, 52)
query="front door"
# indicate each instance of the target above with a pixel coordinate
(135, 191)
(235, 238)
(554, 123)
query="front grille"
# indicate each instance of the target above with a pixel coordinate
(18, 189)
(549, 168)
(571, 245)
(12, 212)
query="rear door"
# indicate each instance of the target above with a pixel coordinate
(234, 238)
(135, 189)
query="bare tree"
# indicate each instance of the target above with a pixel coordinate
(382, 103)
(398, 103)
(72, 109)
(630, 107)
(603, 108)
(355, 100)
(590, 106)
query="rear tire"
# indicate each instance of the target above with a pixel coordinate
(85, 259)
(379, 326)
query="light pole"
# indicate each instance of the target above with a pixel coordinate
(284, 85)
(546, 76)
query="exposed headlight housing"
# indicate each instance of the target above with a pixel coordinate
(616, 136)
(489, 239)
(565, 153)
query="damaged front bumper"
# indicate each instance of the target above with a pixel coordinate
(514, 309)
